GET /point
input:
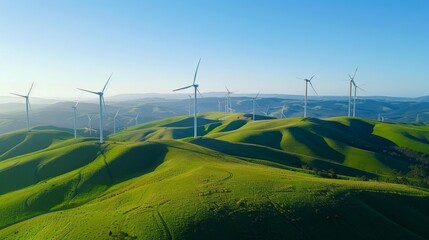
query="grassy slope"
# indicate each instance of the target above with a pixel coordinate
(231, 183)
(197, 193)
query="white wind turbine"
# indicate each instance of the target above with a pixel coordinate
(354, 101)
(74, 119)
(306, 91)
(282, 113)
(352, 83)
(90, 125)
(114, 122)
(253, 106)
(137, 118)
(27, 104)
(228, 100)
(418, 118)
(195, 86)
(101, 99)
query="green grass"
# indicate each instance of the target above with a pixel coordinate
(243, 179)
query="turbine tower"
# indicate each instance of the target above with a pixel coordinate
(253, 106)
(27, 104)
(354, 101)
(114, 122)
(101, 99)
(137, 118)
(74, 120)
(195, 86)
(352, 83)
(90, 125)
(307, 81)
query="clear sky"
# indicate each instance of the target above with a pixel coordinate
(250, 46)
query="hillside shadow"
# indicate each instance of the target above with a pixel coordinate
(234, 125)
(257, 117)
(359, 135)
(424, 141)
(249, 151)
(265, 138)
(315, 143)
(136, 161)
(30, 143)
(189, 122)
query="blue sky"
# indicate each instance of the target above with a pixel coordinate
(250, 46)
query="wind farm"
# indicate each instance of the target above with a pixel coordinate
(224, 120)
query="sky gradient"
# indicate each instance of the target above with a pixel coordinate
(250, 46)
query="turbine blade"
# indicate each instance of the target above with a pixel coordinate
(117, 112)
(19, 95)
(312, 77)
(137, 115)
(227, 90)
(199, 92)
(29, 104)
(196, 71)
(355, 72)
(360, 88)
(182, 88)
(88, 91)
(300, 78)
(89, 117)
(30, 89)
(105, 85)
(77, 102)
(313, 88)
(257, 95)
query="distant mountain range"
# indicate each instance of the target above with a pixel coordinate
(157, 106)
(137, 96)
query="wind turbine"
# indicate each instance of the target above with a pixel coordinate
(228, 100)
(74, 120)
(282, 113)
(27, 104)
(306, 90)
(418, 118)
(352, 83)
(90, 125)
(137, 118)
(195, 86)
(253, 105)
(101, 99)
(114, 122)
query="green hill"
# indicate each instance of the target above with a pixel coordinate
(243, 179)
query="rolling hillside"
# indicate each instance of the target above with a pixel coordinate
(240, 179)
